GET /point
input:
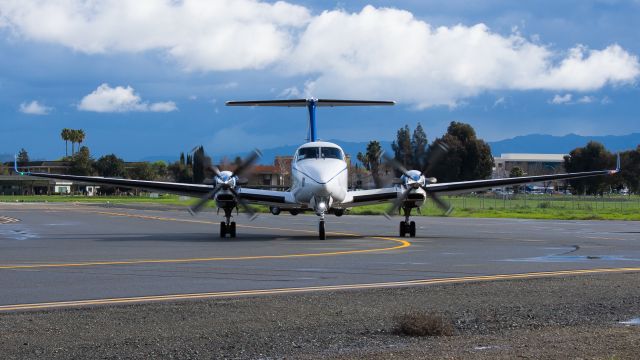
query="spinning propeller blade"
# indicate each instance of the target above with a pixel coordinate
(197, 207)
(241, 169)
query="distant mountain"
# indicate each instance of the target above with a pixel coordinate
(534, 143)
(549, 144)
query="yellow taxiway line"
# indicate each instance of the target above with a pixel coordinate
(400, 244)
(211, 295)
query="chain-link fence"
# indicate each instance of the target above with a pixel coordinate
(544, 201)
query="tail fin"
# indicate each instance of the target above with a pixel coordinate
(311, 105)
(15, 165)
(618, 163)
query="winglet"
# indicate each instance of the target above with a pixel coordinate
(15, 165)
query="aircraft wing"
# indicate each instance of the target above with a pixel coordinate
(373, 196)
(474, 185)
(195, 190)
(268, 197)
(376, 196)
(254, 196)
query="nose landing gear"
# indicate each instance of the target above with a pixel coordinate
(406, 226)
(321, 232)
(228, 226)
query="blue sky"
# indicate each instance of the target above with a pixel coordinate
(150, 78)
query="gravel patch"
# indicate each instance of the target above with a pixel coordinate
(564, 317)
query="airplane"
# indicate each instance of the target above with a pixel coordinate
(319, 180)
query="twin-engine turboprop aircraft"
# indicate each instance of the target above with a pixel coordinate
(319, 180)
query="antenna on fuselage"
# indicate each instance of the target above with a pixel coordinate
(311, 104)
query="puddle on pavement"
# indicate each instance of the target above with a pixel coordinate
(573, 258)
(568, 256)
(634, 321)
(17, 234)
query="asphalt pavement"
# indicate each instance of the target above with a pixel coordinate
(53, 253)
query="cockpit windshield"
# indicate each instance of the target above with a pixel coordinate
(308, 153)
(331, 153)
(316, 152)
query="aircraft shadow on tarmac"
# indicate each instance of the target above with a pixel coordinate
(213, 238)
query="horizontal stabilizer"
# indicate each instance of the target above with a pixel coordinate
(305, 103)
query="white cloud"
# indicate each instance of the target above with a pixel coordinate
(586, 99)
(561, 99)
(375, 53)
(200, 34)
(34, 108)
(501, 101)
(388, 53)
(120, 99)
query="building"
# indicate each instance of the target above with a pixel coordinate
(531, 164)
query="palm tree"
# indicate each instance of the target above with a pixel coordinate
(80, 136)
(72, 138)
(65, 135)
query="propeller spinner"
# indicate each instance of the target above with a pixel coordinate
(415, 179)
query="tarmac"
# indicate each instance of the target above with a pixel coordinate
(67, 255)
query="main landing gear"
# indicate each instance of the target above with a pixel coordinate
(228, 226)
(407, 227)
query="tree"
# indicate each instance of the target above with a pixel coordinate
(141, 171)
(516, 172)
(402, 148)
(80, 135)
(371, 160)
(593, 156)
(81, 162)
(160, 170)
(468, 157)
(630, 174)
(110, 166)
(23, 156)
(65, 134)
(181, 172)
(419, 144)
(200, 162)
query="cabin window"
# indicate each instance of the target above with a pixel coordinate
(331, 153)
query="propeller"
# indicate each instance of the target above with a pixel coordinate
(415, 181)
(227, 182)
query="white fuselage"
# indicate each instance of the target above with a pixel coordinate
(319, 175)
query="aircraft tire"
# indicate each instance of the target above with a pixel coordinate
(321, 233)
(403, 229)
(412, 229)
(223, 229)
(232, 229)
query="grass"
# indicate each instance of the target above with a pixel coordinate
(557, 207)
(423, 324)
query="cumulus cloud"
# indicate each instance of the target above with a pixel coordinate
(389, 53)
(561, 99)
(34, 108)
(586, 99)
(200, 34)
(120, 99)
(376, 52)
